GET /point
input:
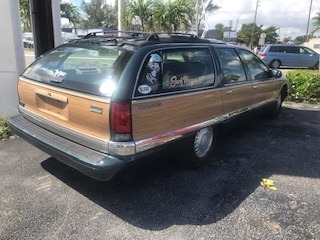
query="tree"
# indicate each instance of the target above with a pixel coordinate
(25, 15)
(141, 12)
(244, 34)
(205, 7)
(271, 34)
(300, 39)
(98, 14)
(174, 15)
(220, 28)
(71, 12)
(316, 23)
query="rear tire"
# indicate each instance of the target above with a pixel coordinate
(275, 64)
(198, 148)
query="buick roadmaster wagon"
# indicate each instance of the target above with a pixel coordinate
(102, 102)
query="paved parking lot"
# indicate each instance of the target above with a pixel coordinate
(40, 198)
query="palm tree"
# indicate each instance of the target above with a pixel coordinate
(139, 11)
(71, 12)
(174, 15)
(206, 7)
(316, 23)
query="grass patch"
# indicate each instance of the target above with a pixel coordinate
(5, 131)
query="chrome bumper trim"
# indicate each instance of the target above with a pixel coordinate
(75, 136)
(122, 148)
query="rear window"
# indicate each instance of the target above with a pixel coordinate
(88, 68)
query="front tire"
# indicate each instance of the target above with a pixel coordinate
(198, 148)
(274, 112)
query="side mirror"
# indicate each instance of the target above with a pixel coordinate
(276, 73)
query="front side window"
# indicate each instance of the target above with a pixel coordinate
(258, 70)
(88, 68)
(304, 50)
(175, 70)
(232, 68)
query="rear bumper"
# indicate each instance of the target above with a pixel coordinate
(92, 163)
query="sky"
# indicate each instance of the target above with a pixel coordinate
(290, 16)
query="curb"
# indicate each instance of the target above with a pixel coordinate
(301, 106)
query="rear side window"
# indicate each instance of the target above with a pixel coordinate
(88, 68)
(175, 70)
(273, 49)
(232, 68)
(291, 49)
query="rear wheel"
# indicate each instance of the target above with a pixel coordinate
(198, 148)
(275, 64)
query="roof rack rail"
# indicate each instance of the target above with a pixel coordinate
(116, 33)
(175, 37)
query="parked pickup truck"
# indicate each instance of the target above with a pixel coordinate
(104, 101)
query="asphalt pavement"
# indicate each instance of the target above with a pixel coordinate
(41, 198)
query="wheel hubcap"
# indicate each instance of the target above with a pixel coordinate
(203, 141)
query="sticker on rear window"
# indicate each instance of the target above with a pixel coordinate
(144, 89)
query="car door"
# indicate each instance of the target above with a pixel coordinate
(237, 89)
(307, 57)
(265, 87)
(291, 56)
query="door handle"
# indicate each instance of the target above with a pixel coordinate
(229, 92)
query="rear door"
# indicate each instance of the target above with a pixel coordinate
(237, 90)
(68, 90)
(291, 56)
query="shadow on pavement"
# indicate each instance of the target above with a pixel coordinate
(157, 196)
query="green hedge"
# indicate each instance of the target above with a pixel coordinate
(304, 86)
(5, 132)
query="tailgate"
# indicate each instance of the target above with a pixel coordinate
(81, 114)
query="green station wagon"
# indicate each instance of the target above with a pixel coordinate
(105, 101)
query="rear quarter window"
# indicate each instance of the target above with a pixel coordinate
(175, 70)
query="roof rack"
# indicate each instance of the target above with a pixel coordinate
(116, 33)
(140, 38)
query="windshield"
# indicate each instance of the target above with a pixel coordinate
(88, 68)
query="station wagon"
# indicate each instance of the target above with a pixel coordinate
(105, 101)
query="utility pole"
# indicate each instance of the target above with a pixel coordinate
(254, 23)
(121, 6)
(307, 34)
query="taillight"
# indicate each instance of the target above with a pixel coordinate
(120, 121)
(262, 54)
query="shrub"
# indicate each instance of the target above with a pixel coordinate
(304, 86)
(5, 132)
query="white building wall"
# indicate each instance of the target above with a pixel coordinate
(12, 60)
(313, 43)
